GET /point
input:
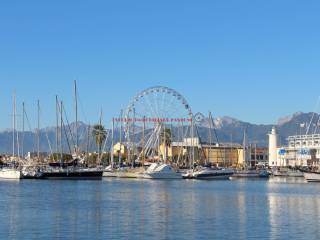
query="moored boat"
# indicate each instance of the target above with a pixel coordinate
(251, 173)
(161, 171)
(9, 173)
(71, 174)
(208, 173)
(287, 173)
(312, 176)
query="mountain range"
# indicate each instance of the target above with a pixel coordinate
(227, 130)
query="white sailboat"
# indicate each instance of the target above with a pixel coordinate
(12, 172)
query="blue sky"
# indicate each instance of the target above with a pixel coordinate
(253, 60)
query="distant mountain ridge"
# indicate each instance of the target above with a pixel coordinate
(228, 129)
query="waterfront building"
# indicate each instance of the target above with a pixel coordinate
(302, 150)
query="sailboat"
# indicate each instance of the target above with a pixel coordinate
(64, 170)
(11, 171)
(248, 172)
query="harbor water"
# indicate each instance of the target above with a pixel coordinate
(146, 209)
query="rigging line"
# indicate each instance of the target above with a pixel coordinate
(104, 145)
(30, 129)
(214, 128)
(316, 107)
(317, 125)
(67, 139)
(46, 133)
(68, 125)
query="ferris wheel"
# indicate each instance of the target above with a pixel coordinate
(153, 111)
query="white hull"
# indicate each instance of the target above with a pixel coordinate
(127, 173)
(312, 177)
(161, 171)
(212, 174)
(159, 175)
(8, 173)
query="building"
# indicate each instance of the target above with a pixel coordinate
(302, 150)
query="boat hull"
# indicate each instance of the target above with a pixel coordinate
(312, 177)
(251, 174)
(159, 175)
(10, 174)
(223, 176)
(72, 175)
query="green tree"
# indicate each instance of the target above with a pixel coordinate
(100, 134)
(165, 137)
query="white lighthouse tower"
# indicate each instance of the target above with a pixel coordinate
(273, 137)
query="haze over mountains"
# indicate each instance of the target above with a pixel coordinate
(228, 129)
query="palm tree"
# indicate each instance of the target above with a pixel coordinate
(165, 139)
(100, 134)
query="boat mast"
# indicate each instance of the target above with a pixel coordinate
(100, 124)
(57, 127)
(133, 136)
(143, 143)
(244, 148)
(210, 137)
(38, 132)
(76, 112)
(120, 138)
(192, 141)
(14, 125)
(112, 144)
(61, 126)
(164, 144)
(22, 143)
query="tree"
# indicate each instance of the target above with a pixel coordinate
(165, 137)
(100, 134)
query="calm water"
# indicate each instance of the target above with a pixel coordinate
(132, 209)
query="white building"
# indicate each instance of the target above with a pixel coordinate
(302, 150)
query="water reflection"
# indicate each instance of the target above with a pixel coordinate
(122, 209)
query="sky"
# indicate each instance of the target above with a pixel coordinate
(253, 60)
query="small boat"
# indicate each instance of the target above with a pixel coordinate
(287, 173)
(161, 171)
(251, 173)
(208, 173)
(9, 173)
(312, 176)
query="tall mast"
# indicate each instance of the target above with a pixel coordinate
(38, 132)
(143, 133)
(164, 144)
(244, 148)
(14, 125)
(61, 126)
(22, 141)
(76, 112)
(133, 136)
(57, 126)
(100, 124)
(112, 144)
(120, 138)
(192, 141)
(210, 136)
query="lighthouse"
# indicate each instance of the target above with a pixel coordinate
(273, 137)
